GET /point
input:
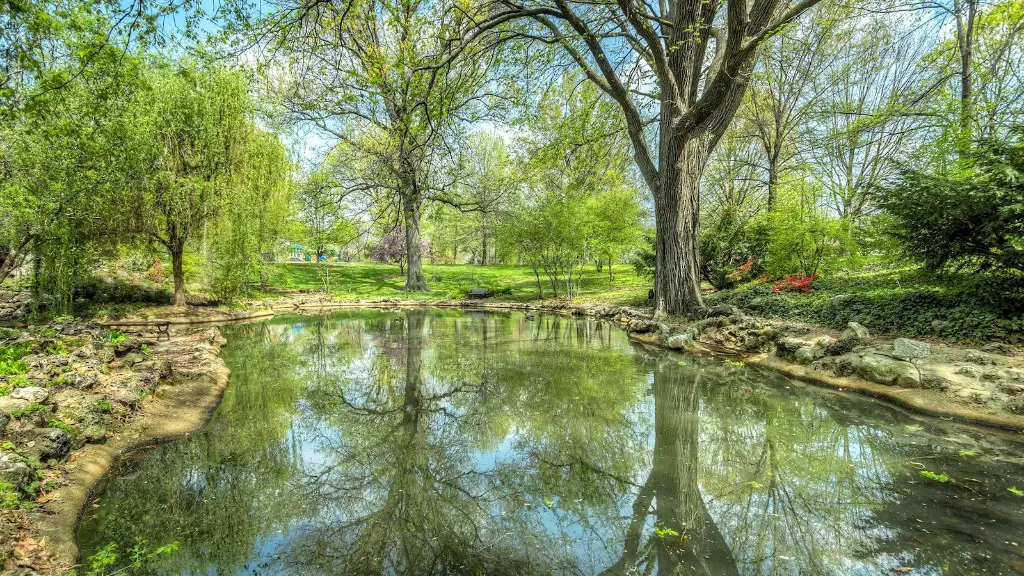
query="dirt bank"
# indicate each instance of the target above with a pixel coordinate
(112, 393)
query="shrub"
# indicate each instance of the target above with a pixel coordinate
(731, 240)
(795, 283)
(973, 217)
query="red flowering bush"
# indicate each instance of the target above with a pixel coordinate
(742, 271)
(795, 283)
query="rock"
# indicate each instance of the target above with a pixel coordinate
(908, 349)
(1017, 375)
(1011, 388)
(18, 473)
(30, 393)
(979, 358)
(5, 419)
(999, 348)
(969, 371)
(129, 399)
(162, 368)
(83, 380)
(94, 433)
(1015, 405)
(990, 375)
(679, 341)
(824, 342)
(48, 443)
(8, 404)
(641, 326)
(934, 382)
(973, 395)
(807, 354)
(786, 347)
(889, 371)
(854, 330)
(131, 359)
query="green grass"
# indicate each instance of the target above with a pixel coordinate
(508, 283)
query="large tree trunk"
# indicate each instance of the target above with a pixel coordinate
(414, 279)
(965, 43)
(177, 250)
(10, 257)
(677, 218)
(680, 505)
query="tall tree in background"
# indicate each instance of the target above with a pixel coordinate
(683, 65)
(378, 76)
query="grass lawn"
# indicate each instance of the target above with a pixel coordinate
(353, 281)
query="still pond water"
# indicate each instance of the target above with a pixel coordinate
(451, 442)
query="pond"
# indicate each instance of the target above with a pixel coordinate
(460, 442)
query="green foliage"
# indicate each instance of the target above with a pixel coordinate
(104, 561)
(5, 389)
(104, 406)
(896, 302)
(972, 217)
(728, 239)
(27, 410)
(113, 337)
(804, 238)
(933, 476)
(10, 499)
(1016, 491)
(69, 428)
(10, 359)
(19, 381)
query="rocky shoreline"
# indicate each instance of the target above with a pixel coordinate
(82, 397)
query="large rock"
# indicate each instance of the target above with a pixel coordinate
(807, 354)
(679, 341)
(161, 367)
(786, 347)
(16, 472)
(52, 444)
(1000, 348)
(854, 330)
(30, 393)
(889, 371)
(854, 335)
(908, 349)
(8, 404)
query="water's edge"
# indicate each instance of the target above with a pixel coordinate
(180, 409)
(186, 407)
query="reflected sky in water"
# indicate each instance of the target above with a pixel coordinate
(453, 442)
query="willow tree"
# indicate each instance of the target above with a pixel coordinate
(374, 76)
(678, 70)
(200, 122)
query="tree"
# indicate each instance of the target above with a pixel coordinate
(680, 65)
(200, 121)
(379, 77)
(322, 214)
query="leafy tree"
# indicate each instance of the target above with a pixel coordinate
(696, 60)
(200, 121)
(382, 77)
(973, 218)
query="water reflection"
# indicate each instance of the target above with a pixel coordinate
(419, 442)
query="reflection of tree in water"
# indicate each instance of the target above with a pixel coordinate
(405, 491)
(448, 443)
(232, 476)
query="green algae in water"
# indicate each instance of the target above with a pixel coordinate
(451, 442)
